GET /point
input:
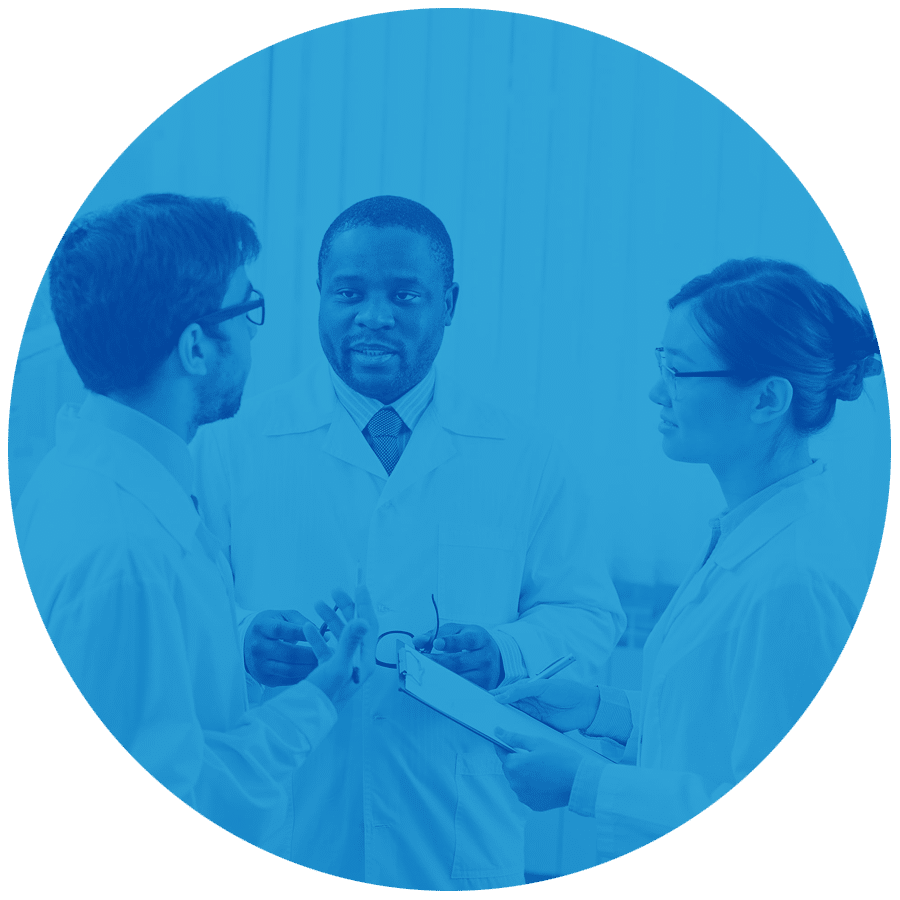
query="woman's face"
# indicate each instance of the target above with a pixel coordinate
(702, 420)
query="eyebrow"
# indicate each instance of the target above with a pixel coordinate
(362, 276)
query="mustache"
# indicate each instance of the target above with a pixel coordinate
(349, 344)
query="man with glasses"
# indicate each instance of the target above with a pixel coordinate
(372, 461)
(157, 314)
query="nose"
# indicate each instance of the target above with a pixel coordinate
(376, 312)
(253, 329)
(659, 393)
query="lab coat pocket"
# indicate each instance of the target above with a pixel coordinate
(490, 821)
(479, 576)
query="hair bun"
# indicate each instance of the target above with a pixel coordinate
(872, 367)
(848, 383)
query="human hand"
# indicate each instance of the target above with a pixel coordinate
(468, 650)
(558, 702)
(540, 772)
(355, 627)
(271, 652)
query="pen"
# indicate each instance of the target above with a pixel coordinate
(554, 667)
(356, 662)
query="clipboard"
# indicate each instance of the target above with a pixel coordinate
(467, 704)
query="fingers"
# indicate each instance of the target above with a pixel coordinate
(516, 740)
(330, 617)
(277, 674)
(344, 603)
(462, 663)
(281, 652)
(521, 690)
(454, 638)
(280, 625)
(365, 609)
(317, 642)
(353, 636)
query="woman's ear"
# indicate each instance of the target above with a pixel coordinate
(193, 350)
(772, 399)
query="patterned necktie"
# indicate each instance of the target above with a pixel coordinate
(382, 433)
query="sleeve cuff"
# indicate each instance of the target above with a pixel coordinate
(309, 711)
(612, 724)
(583, 798)
(242, 618)
(513, 661)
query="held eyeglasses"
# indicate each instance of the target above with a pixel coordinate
(392, 665)
(670, 375)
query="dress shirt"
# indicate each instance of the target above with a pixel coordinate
(410, 407)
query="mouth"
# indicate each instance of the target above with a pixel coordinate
(372, 353)
(665, 424)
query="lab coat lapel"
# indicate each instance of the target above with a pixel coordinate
(346, 442)
(430, 446)
(312, 404)
(761, 526)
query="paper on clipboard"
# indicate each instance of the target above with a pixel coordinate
(466, 703)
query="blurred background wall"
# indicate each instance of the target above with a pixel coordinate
(582, 184)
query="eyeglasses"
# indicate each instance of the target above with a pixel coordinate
(249, 308)
(392, 665)
(669, 374)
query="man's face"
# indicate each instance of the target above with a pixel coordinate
(383, 309)
(219, 394)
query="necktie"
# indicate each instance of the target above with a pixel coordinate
(382, 433)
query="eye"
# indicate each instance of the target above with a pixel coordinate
(406, 297)
(346, 294)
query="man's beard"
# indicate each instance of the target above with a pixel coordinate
(214, 403)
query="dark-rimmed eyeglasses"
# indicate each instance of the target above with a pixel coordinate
(669, 374)
(254, 309)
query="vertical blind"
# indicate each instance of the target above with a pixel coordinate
(582, 183)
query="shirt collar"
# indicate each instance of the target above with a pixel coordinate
(160, 442)
(409, 407)
(729, 520)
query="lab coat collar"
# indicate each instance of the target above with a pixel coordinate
(92, 440)
(305, 403)
(783, 507)
(308, 403)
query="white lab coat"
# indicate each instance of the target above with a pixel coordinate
(136, 597)
(737, 656)
(477, 512)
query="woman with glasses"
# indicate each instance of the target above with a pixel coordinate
(754, 357)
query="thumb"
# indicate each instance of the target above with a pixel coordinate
(516, 740)
(293, 615)
(317, 642)
(365, 609)
(352, 637)
(521, 690)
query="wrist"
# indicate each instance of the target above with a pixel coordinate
(590, 707)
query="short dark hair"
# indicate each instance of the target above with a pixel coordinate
(125, 283)
(387, 211)
(767, 317)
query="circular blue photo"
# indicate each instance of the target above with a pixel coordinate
(449, 449)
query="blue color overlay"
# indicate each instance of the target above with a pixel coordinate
(477, 334)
